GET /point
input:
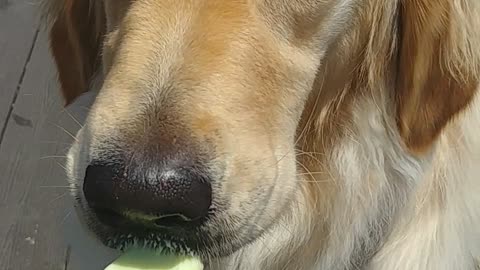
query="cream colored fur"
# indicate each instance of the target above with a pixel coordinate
(431, 204)
(437, 226)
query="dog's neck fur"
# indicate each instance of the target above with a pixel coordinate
(366, 195)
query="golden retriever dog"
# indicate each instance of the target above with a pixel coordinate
(278, 134)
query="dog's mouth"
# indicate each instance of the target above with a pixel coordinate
(153, 233)
(157, 240)
(132, 220)
(196, 239)
(195, 242)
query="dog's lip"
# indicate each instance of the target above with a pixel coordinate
(153, 241)
(154, 237)
(198, 242)
(111, 218)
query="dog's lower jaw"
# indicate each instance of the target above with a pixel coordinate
(278, 247)
(301, 240)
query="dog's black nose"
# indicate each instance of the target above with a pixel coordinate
(159, 195)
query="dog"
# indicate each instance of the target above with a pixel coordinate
(277, 134)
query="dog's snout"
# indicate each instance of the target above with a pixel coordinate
(158, 195)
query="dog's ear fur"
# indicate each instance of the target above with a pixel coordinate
(439, 56)
(76, 37)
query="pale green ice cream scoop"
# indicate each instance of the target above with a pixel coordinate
(138, 259)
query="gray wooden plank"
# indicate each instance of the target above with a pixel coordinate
(38, 229)
(34, 200)
(18, 26)
(86, 252)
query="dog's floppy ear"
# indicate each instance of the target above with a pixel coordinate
(438, 66)
(75, 41)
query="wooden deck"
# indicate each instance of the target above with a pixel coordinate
(38, 230)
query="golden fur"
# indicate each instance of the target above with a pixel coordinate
(348, 129)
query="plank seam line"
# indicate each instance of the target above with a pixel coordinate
(19, 85)
(67, 257)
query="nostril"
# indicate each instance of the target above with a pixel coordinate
(98, 186)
